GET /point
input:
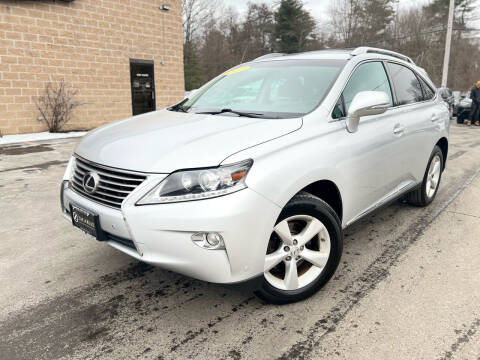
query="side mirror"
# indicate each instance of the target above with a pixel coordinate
(366, 103)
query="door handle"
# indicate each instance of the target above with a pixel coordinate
(398, 129)
(434, 118)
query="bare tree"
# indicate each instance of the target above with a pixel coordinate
(217, 38)
(56, 104)
(346, 21)
(258, 31)
(420, 33)
(361, 22)
(196, 13)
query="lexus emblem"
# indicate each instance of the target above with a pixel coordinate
(90, 182)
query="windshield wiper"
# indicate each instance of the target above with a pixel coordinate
(179, 106)
(239, 113)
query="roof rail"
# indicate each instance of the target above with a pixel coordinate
(366, 50)
(267, 56)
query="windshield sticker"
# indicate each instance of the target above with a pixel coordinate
(240, 69)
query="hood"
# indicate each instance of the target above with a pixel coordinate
(164, 141)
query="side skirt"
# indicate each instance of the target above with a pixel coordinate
(401, 190)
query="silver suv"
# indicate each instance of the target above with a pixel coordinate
(258, 173)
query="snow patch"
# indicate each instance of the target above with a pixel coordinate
(21, 138)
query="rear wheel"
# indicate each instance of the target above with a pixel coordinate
(303, 251)
(425, 194)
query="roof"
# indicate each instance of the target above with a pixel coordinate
(345, 54)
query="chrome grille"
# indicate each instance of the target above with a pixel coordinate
(114, 185)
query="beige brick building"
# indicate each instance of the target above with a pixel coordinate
(123, 56)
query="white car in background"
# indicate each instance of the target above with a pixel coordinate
(257, 174)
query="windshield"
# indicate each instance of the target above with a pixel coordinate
(273, 89)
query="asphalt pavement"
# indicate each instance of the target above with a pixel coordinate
(408, 286)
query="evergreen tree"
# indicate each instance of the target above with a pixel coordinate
(294, 27)
(362, 22)
(194, 76)
(376, 17)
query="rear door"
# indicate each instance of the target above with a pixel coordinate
(417, 116)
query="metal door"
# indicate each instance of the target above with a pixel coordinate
(143, 86)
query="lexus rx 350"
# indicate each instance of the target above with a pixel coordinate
(259, 172)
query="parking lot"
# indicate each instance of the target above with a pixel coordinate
(408, 286)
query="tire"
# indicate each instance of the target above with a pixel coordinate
(460, 119)
(423, 196)
(302, 211)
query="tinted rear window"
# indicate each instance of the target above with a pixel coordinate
(428, 92)
(406, 84)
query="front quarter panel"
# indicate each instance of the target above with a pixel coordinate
(285, 166)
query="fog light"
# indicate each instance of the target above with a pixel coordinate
(214, 239)
(211, 241)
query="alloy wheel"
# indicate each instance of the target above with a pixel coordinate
(433, 176)
(297, 253)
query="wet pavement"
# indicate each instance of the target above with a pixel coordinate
(408, 286)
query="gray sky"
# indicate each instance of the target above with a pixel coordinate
(318, 8)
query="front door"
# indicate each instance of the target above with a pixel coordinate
(375, 158)
(143, 86)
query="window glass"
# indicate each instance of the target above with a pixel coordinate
(273, 88)
(428, 93)
(407, 87)
(370, 76)
(339, 109)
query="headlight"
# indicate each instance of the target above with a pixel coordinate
(69, 170)
(67, 178)
(199, 184)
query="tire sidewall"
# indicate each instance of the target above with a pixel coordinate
(309, 205)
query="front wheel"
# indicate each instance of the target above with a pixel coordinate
(303, 252)
(427, 191)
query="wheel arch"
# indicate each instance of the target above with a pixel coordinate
(443, 145)
(328, 191)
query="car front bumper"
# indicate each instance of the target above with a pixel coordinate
(161, 233)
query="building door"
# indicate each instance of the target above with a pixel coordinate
(143, 86)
